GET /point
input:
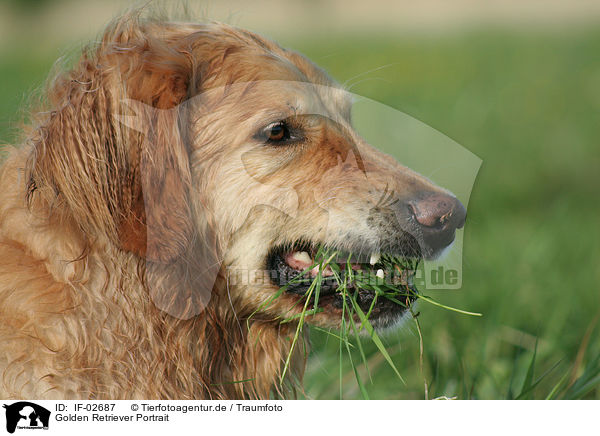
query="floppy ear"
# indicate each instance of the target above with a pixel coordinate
(158, 224)
(112, 159)
(129, 183)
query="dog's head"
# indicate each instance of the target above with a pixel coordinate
(240, 154)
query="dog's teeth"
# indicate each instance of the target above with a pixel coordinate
(379, 273)
(302, 256)
(374, 258)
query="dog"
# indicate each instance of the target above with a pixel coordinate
(170, 155)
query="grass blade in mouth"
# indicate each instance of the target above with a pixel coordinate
(362, 293)
(354, 285)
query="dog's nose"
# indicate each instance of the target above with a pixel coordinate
(439, 211)
(438, 216)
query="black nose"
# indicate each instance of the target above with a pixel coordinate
(438, 216)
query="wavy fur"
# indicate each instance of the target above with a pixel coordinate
(142, 184)
(76, 316)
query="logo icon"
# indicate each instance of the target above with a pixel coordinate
(26, 415)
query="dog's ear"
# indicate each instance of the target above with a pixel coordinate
(157, 223)
(156, 220)
(112, 160)
(128, 182)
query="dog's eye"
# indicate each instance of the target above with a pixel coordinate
(277, 132)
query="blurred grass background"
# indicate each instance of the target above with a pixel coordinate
(525, 98)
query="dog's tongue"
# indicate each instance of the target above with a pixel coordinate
(301, 260)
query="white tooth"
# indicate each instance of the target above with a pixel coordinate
(374, 258)
(379, 273)
(302, 256)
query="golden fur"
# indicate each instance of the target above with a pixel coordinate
(110, 232)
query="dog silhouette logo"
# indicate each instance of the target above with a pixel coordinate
(26, 415)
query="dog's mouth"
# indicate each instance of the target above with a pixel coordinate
(379, 284)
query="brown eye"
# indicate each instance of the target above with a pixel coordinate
(277, 132)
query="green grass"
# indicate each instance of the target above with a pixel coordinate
(351, 286)
(528, 105)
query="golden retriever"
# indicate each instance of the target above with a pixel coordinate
(170, 155)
